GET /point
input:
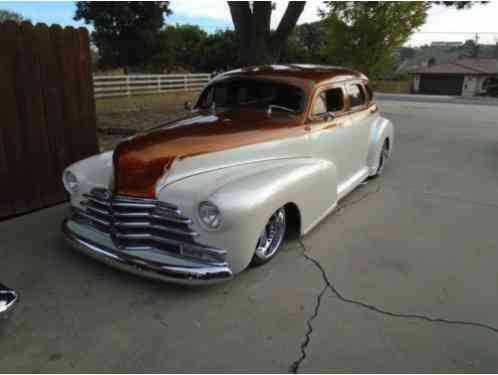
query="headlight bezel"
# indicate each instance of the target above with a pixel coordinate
(71, 182)
(205, 209)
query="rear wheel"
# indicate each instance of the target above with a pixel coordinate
(271, 238)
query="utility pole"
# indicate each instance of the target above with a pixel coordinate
(475, 53)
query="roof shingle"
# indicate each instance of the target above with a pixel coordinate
(462, 66)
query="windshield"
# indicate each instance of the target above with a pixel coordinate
(238, 93)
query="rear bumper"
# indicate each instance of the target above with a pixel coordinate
(157, 270)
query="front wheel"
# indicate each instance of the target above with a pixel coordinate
(271, 238)
(384, 155)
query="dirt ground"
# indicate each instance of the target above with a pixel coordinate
(118, 118)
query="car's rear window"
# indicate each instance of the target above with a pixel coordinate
(236, 93)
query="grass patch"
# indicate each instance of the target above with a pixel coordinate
(119, 117)
(391, 87)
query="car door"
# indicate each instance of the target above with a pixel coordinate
(362, 112)
(330, 129)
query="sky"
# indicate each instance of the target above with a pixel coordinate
(443, 24)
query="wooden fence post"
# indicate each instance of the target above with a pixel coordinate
(48, 113)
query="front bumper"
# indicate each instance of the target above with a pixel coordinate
(153, 269)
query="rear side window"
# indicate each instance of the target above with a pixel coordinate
(328, 101)
(356, 95)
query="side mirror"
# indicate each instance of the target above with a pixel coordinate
(8, 300)
(187, 106)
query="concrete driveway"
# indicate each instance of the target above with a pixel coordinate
(365, 292)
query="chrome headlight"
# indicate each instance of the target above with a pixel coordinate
(71, 182)
(210, 215)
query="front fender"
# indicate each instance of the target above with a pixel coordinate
(93, 172)
(381, 130)
(248, 195)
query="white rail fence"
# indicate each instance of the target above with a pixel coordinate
(110, 86)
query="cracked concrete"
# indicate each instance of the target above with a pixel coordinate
(420, 240)
(337, 294)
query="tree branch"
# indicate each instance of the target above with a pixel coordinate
(242, 21)
(241, 14)
(262, 16)
(289, 21)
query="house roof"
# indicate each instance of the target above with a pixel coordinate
(462, 66)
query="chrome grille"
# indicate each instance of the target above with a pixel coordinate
(145, 224)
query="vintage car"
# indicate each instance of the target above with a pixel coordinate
(267, 151)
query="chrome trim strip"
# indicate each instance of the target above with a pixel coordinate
(134, 225)
(145, 224)
(153, 270)
(8, 300)
(138, 224)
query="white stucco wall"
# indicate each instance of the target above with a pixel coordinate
(470, 85)
(416, 83)
(473, 85)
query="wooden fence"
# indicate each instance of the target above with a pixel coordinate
(112, 86)
(48, 112)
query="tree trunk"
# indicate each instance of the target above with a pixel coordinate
(258, 44)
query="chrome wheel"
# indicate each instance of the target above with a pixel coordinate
(384, 155)
(271, 238)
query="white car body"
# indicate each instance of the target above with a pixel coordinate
(307, 174)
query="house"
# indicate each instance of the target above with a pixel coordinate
(446, 44)
(465, 77)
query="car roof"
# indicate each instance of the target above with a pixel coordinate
(314, 73)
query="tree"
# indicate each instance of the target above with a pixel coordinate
(221, 51)
(6, 15)
(258, 43)
(363, 35)
(432, 61)
(188, 47)
(189, 42)
(126, 33)
(470, 48)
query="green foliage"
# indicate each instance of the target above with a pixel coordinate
(305, 44)
(470, 48)
(363, 35)
(459, 4)
(221, 51)
(7, 15)
(126, 33)
(189, 48)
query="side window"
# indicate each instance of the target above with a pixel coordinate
(356, 95)
(328, 101)
(335, 100)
